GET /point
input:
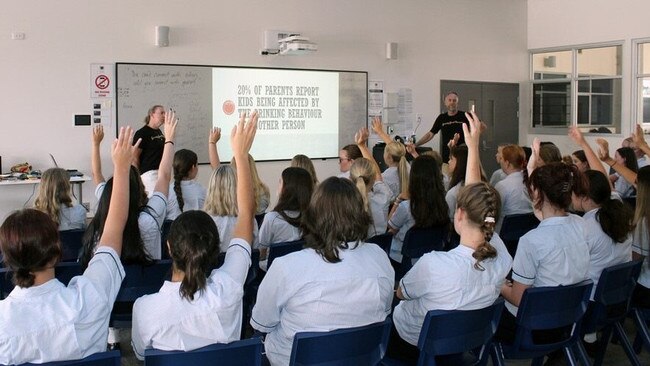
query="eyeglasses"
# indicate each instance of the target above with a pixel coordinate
(341, 160)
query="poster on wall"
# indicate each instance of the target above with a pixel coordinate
(101, 80)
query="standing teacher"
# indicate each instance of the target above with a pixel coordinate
(450, 123)
(147, 157)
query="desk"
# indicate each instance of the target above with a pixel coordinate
(74, 181)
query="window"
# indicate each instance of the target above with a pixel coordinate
(578, 86)
(642, 74)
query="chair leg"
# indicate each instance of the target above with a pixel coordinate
(582, 354)
(627, 347)
(602, 343)
(496, 354)
(539, 361)
(570, 358)
(642, 328)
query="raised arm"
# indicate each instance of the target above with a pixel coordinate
(378, 127)
(603, 154)
(241, 140)
(639, 140)
(95, 156)
(594, 163)
(361, 139)
(213, 138)
(534, 157)
(165, 167)
(472, 135)
(122, 153)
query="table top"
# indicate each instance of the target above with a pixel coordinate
(12, 181)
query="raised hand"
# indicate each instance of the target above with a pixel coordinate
(411, 149)
(98, 134)
(243, 134)
(453, 141)
(638, 137)
(472, 132)
(122, 150)
(377, 126)
(361, 137)
(215, 135)
(170, 125)
(603, 150)
(576, 135)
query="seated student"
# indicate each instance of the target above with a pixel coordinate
(283, 223)
(580, 160)
(424, 206)
(556, 252)
(346, 157)
(54, 198)
(498, 175)
(302, 161)
(146, 215)
(512, 190)
(469, 276)
(185, 193)
(192, 311)
(375, 193)
(625, 157)
(457, 166)
(42, 320)
(396, 176)
(336, 282)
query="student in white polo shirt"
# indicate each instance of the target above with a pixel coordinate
(191, 311)
(338, 281)
(469, 276)
(42, 320)
(556, 252)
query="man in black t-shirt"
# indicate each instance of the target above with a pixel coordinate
(449, 123)
(147, 157)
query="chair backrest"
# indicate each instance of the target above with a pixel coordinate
(383, 240)
(247, 352)
(364, 345)
(277, 250)
(514, 227)
(71, 243)
(64, 271)
(164, 233)
(420, 241)
(447, 332)
(543, 308)
(143, 280)
(613, 294)
(110, 358)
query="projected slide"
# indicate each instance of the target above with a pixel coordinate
(299, 110)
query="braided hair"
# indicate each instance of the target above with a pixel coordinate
(184, 161)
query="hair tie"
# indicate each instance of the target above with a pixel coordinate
(489, 219)
(566, 187)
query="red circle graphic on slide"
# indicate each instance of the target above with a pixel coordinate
(228, 107)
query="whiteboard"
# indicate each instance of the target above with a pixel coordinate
(189, 89)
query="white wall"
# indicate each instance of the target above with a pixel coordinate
(555, 23)
(45, 78)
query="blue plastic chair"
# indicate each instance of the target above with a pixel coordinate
(545, 308)
(139, 281)
(514, 227)
(277, 250)
(383, 240)
(71, 243)
(418, 242)
(110, 358)
(364, 345)
(64, 271)
(610, 307)
(247, 352)
(641, 317)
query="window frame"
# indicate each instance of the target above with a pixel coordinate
(637, 82)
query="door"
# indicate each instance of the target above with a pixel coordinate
(497, 104)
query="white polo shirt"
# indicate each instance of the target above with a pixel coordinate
(303, 293)
(379, 199)
(193, 198)
(402, 220)
(73, 217)
(514, 197)
(603, 251)
(641, 246)
(624, 188)
(555, 253)
(225, 226)
(150, 220)
(52, 322)
(449, 281)
(497, 177)
(167, 321)
(451, 197)
(275, 229)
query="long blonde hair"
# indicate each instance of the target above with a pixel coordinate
(221, 197)
(303, 161)
(362, 174)
(397, 153)
(53, 193)
(260, 189)
(642, 210)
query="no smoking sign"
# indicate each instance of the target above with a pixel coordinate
(101, 76)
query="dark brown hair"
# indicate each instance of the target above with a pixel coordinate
(193, 246)
(29, 240)
(458, 175)
(427, 193)
(297, 188)
(184, 161)
(353, 151)
(335, 217)
(614, 216)
(482, 205)
(555, 182)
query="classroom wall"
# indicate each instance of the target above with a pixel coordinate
(555, 23)
(45, 78)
